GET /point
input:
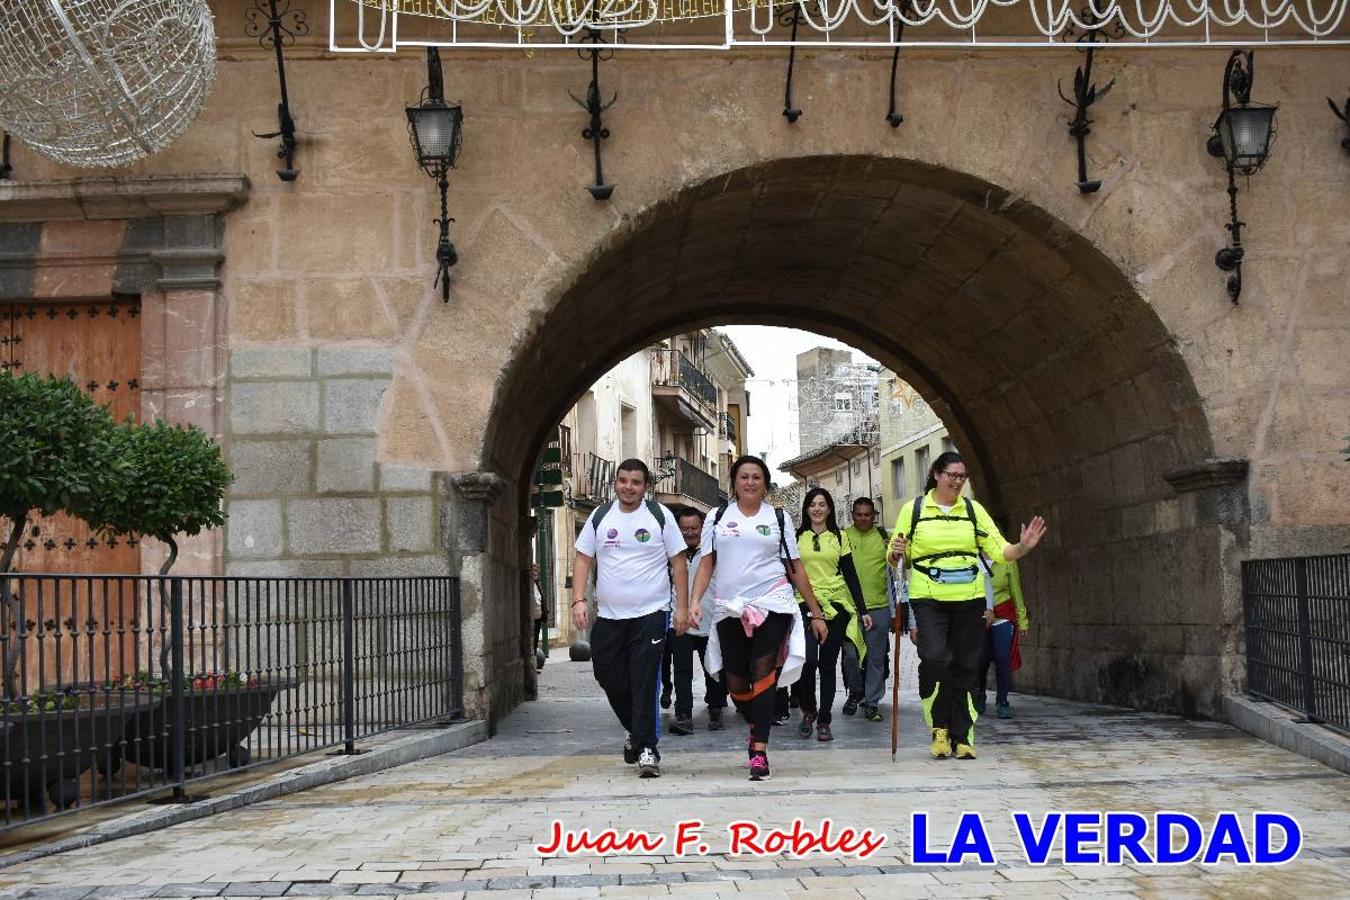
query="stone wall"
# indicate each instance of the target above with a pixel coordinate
(310, 496)
(1081, 345)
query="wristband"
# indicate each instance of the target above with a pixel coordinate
(575, 602)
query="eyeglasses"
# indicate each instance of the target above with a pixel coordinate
(955, 476)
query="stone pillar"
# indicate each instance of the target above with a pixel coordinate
(1221, 505)
(482, 552)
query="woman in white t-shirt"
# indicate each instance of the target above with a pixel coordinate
(750, 560)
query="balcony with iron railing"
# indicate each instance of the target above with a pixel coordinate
(592, 478)
(726, 426)
(684, 389)
(678, 482)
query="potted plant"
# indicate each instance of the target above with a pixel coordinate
(172, 481)
(56, 456)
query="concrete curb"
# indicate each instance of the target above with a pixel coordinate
(419, 745)
(1277, 725)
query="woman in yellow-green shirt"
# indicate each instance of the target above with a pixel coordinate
(828, 560)
(941, 536)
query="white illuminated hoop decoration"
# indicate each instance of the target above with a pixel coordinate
(739, 24)
(103, 82)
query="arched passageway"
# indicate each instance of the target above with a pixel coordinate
(1034, 347)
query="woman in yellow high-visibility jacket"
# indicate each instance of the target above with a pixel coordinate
(940, 536)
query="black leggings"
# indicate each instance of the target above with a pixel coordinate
(750, 668)
(825, 658)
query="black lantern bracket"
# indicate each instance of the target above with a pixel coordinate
(1343, 113)
(595, 130)
(894, 118)
(1085, 92)
(435, 129)
(5, 168)
(1234, 144)
(791, 18)
(277, 26)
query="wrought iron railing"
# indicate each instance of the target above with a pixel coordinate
(726, 426)
(593, 476)
(118, 686)
(1297, 614)
(671, 368)
(683, 477)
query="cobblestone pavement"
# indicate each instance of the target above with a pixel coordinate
(464, 824)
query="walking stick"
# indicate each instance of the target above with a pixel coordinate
(895, 689)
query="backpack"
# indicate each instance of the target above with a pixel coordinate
(782, 535)
(914, 520)
(658, 513)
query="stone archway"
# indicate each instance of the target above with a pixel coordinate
(1031, 343)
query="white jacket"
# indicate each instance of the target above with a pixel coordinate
(780, 600)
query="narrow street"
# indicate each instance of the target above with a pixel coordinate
(464, 824)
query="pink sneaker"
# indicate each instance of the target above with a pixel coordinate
(759, 767)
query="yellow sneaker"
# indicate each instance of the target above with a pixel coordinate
(942, 745)
(965, 751)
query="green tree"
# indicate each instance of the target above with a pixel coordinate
(172, 482)
(56, 455)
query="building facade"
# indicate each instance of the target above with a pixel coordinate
(1081, 346)
(679, 406)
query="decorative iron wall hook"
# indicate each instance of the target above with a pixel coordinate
(279, 26)
(595, 131)
(5, 167)
(1342, 113)
(790, 112)
(1085, 93)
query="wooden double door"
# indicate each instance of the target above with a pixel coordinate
(98, 345)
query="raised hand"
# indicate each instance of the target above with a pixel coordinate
(1032, 533)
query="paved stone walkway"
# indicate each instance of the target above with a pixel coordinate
(463, 825)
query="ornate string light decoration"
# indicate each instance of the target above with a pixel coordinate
(103, 82)
(858, 23)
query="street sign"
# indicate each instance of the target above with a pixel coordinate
(549, 498)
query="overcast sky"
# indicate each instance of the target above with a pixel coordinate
(772, 353)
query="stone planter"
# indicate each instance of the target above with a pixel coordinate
(219, 720)
(45, 753)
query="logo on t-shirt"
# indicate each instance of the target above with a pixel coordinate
(612, 533)
(642, 535)
(762, 529)
(732, 529)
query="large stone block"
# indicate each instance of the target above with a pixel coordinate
(258, 407)
(346, 309)
(411, 524)
(352, 406)
(333, 525)
(345, 360)
(345, 465)
(270, 362)
(402, 566)
(395, 477)
(269, 467)
(261, 310)
(254, 528)
(287, 568)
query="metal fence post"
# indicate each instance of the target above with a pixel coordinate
(177, 714)
(456, 652)
(1305, 667)
(348, 668)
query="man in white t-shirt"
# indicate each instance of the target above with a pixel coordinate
(636, 548)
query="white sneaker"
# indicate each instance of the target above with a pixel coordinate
(649, 766)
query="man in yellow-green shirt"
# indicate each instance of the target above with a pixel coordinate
(867, 683)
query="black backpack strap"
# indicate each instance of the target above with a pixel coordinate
(658, 513)
(782, 540)
(717, 517)
(914, 517)
(600, 512)
(885, 535)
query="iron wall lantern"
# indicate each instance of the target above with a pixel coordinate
(436, 130)
(1243, 134)
(5, 168)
